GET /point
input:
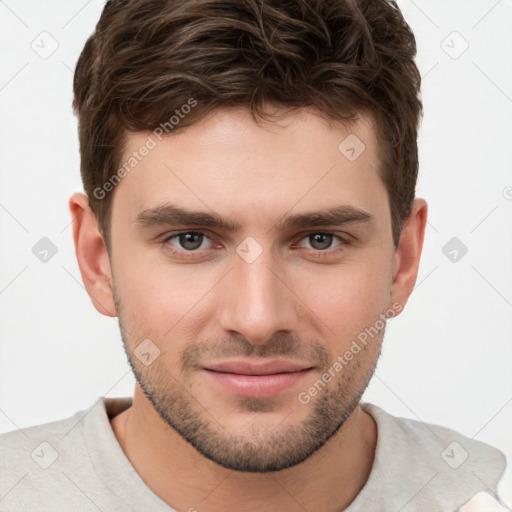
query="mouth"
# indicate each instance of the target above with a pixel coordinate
(262, 379)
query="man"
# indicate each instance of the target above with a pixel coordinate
(250, 217)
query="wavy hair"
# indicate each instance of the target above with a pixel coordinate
(147, 58)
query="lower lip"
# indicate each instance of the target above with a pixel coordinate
(257, 386)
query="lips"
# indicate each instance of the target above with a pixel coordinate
(260, 368)
(260, 379)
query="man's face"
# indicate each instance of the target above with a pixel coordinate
(281, 294)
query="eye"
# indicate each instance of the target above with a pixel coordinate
(320, 241)
(196, 244)
(187, 240)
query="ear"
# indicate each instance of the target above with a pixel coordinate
(92, 255)
(407, 256)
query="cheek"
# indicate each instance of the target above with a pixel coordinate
(161, 299)
(347, 297)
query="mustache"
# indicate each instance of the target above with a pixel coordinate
(285, 344)
(280, 344)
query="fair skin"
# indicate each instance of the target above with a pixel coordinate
(303, 300)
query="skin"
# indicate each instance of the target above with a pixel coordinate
(298, 300)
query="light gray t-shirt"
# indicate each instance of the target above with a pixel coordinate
(77, 464)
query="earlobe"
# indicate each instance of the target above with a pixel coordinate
(92, 255)
(407, 257)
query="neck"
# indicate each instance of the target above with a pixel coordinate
(186, 480)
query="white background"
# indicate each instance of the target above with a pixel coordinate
(447, 359)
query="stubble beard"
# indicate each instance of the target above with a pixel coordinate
(261, 447)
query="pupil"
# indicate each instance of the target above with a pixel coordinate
(321, 241)
(191, 241)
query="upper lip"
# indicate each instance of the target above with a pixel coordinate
(266, 367)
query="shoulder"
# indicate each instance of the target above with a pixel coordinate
(442, 466)
(39, 443)
(38, 465)
(437, 443)
(490, 501)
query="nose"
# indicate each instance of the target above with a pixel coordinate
(256, 300)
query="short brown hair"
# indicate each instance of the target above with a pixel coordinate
(148, 58)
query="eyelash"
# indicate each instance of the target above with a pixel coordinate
(196, 252)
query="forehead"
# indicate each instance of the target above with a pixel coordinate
(228, 161)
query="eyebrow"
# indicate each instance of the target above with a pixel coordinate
(171, 215)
